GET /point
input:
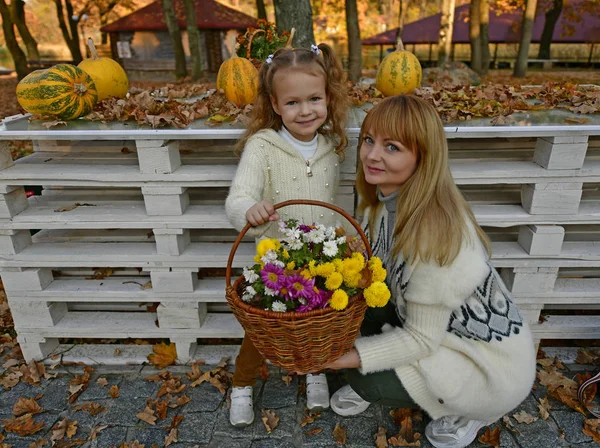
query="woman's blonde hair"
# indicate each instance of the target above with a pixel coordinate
(432, 216)
(326, 63)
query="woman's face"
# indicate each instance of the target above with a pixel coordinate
(387, 163)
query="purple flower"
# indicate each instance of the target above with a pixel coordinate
(272, 276)
(304, 228)
(298, 286)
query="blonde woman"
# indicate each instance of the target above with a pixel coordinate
(451, 341)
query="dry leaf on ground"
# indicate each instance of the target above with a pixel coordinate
(524, 417)
(90, 408)
(270, 420)
(287, 379)
(264, 371)
(10, 380)
(509, 425)
(39, 443)
(95, 431)
(64, 427)
(195, 373)
(491, 437)
(27, 406)
(164, 355)
(544, 408)
(171, 437)
(339, 434)
(314, 431)
(175, 421)
(24, 425)
(147, 415)
(399, 441)
(68, 208)
(102, 381)
(114, 391)
(310, 417)
(381, 438)
(161, 409)
(590, 428)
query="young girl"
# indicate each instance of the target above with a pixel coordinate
(451, 341)
(291, 150)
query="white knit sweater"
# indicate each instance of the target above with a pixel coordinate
(464, 348)
(271, 169)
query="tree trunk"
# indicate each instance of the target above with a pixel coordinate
(475, 35)
(175, 34)
(295, 14)
(10, 38)
(484, 25)
(70, 34)
(401, 17)
(193, 38)
(354, 44)
(446, 29)
(18, 17)
(526, 30)
(551, 18)
(260, 8)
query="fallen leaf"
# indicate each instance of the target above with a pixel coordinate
(195, 373)
(544, 408)
(164, 355)
(509, 425)
(590, 428)
(175, 421)
(339, 434)
(264, 371)
(586, 357)
(68, 208)
(95, 431)
(524, 417)
(90, 408)
(147, 415)
(64, 427)
(69, 443)
(171, 437)
(101, 274)
(11, 363)
(114, 391)
(381, 438)
(102, 381)
(314, 431)
(117, 352)
(161, 409)
(147, 285)
(491, 437)
(26, 406)
(576, 120)
(39, 443)
(180, 401)
(201, 379)
(399, 441)
(49, 124)
(10, 380)
(270, 420)
(310, 417)
(287, 379)
(555, 379)
(23, 425)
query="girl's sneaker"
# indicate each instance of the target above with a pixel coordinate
(241, 413)
(317, 392)
(453, 432)
(346, 402)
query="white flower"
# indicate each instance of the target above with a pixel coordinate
(250, 275)
(295, 244)
(278, 263)
(330, 233)
(246, 297)
(250, 291)
(279, 307)
(270, 292)
(341, 240)
(330, 248)
(269, 257)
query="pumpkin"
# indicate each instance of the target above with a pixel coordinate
(109, 76)
(399, 72)
(63, 91)
(238, 79)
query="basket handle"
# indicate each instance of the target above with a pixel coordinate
(335, 208)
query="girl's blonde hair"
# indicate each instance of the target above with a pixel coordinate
(432, 216)
(328, 64)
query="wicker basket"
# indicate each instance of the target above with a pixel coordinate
(299, 342)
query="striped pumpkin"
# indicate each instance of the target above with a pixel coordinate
(399, 72)
(238, 79)
(63, 91)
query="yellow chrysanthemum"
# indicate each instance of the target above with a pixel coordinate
(379, 274)
(266, 245)
(360, 258)
(339, 300)
(291, 266)
(351, 266)
(377, 295)
(375, 262)
(325, 269)
(334, 281)
(285, 254)
(352, 280)
(312, 267)
(338, 264)
(306, 274)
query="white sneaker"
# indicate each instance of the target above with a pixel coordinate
(453, 432)
(241, 413)
(346, 402)
(317, 392)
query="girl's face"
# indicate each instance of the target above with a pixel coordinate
(386, 163)
(300, 99)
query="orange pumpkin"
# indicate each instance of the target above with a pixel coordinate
(238, 78)
(399, 72)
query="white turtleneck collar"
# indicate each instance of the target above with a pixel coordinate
(305, 149)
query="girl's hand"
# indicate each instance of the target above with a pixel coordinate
(261, 212)
(350, 360)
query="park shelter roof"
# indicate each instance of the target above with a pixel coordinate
(503, 28)
(209, 14)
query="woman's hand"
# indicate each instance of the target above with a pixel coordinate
(350, 360)
(261, 212)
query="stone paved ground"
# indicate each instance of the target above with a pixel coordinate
(205, 418)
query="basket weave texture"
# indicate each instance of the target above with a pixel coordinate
(299, 342)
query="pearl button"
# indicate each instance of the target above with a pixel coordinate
(294, 178)
(327, 185)
(268, 168)
(321, 215)
(277, 192)
(335, 164)
(262, 146)
(325, 169)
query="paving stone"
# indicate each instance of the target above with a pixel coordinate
(136, 388)
(572, 424)
(273, 443)
(205, 398)
(537, 434)
(49, 419)
(122, 413)
(109, 437)
(223, 428)
(197, 427)
(286, 427)
(55, 395)
(541, 391)
(360, 430)
(228, 442)
(147, 437)
(21, 390)
(276, 394)
(326, 422)
(96, 391)
(506, 438)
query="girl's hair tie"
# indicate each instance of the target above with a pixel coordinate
(315, 49)
(269, 59)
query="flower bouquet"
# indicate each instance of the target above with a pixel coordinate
(303, 301)
(258, 43)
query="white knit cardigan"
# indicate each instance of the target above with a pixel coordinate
(464, 348)
(271, 169)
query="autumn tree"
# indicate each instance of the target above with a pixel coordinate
(261, 10)
(18, 18)
(295, 14)
(68, 26)
(10, 38)
(106, 9)
(484, 31)
(354, 44)
(175, 34)
(446, 29)
(193, 38)
(475, 34)
(552, 16)
(526, 31)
